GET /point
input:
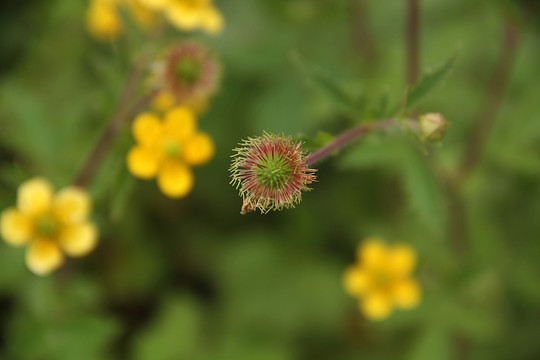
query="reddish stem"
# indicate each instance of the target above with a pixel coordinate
(114, 126)
(413, 42)
(346, 137)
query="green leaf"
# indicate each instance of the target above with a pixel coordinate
(329, 86)
(429, 81)
(312, 144)
(425, 197)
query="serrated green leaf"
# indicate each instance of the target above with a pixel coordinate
(429, 81)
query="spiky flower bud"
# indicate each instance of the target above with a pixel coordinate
(189, 72)
(433, 126)
(270, 172)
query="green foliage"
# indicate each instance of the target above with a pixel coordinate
(429, 81)
(416, 176)
(173, 334)
(193, 279)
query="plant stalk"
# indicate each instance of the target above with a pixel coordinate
(356, 132)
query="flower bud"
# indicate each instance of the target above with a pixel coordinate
(433, 126)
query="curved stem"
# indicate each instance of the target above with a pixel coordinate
(114, 126)
(354, 133)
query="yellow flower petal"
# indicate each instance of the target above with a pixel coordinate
(43, 256)
(355, 281)
(373, 253)
(199, 105)
(143, 15)
(142, 163)
(376, 306)
(402, 260)
(15, 227)
(212, 21)
(71, 205)
(34, 197)
(175, 180)
(163, 101)
(198, 149)
(154, 4)
(146, 129)
(103, 21)
(179, 123)
(183, 17)
(407, 294)
(79, 240)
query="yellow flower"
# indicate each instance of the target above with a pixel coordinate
(189, 14)
(166, 150)
(50, 224)
(381, 278)
(104, 21)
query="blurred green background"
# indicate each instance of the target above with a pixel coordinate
(193, 279)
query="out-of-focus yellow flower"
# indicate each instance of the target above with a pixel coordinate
(381, 278)
(143, 16)
(167, 149)
(189, 15)
(104, 21)
(50, 224)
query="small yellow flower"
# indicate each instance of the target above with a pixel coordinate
(189, 15)
(104, 21)
(166, 150)
(50, 224)
(381, 278)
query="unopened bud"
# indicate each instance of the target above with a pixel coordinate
(433, 126)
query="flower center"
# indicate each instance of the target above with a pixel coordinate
(274, 172)
(188, 70)
(382, 278)
(172, 149)
(46, 226)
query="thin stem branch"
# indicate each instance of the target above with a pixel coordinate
(413, 41)
(362, 35)
(495, 97)
(115, 124)
(345, 138)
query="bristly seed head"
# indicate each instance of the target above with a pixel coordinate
(270, 172)
(191, 72)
